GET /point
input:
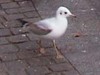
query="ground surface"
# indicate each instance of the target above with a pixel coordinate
(80, 45)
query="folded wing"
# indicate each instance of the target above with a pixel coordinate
(39, 28)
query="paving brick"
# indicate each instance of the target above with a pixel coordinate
(40, 61)
(47, 43)
(19, 0)
(17, 38)
(1, 26)
(49, 52)
(25, 3)
(31, 14)
(28, 45)
(12, 11)
(12, 23)
(8, 57)
(16, 67)
(20, 10)
(10, 5)
(37, 62)
(59, 61)
(4, 1)
(32, 37)
(2, 19)
(54, 74)
(61, 67)
(26, 9)
(38, 70)
(26, 54)
(4, 32)
(71, 72)
(14, 16)
(55, 60)
(0, 7)
(3, 41)
(3, 67)
(2, 12)
(8, 48)
(18, 31)
(3, 73)
(33, 19)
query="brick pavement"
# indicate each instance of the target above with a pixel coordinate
(17, 48)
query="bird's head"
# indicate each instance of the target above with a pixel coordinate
(64, 12)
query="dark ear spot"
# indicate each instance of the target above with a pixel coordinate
(60, 13)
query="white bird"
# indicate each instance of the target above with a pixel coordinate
(50, 28)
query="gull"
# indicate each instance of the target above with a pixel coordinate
(50, 28)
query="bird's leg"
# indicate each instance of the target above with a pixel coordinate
(42, 50)
(58, 54)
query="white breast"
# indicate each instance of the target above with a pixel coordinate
(58, 29)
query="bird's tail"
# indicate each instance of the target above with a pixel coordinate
(23, 22)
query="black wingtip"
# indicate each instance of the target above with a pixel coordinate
(22, 21)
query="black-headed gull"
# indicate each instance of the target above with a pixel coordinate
(50, 28)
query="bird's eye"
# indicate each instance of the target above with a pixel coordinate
(65, 12)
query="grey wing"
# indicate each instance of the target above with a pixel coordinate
(40, 28)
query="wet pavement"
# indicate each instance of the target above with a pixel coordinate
(80, 45)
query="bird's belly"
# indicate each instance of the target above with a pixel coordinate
(56, 33)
